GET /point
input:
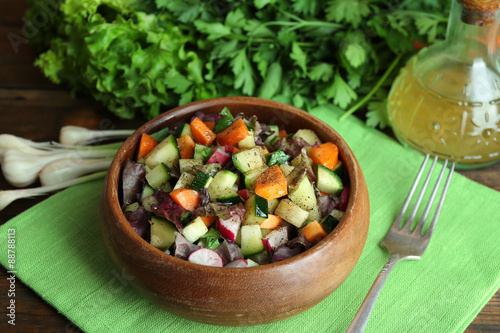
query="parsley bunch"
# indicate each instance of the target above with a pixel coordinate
(140, 56)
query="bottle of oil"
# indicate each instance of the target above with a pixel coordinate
(446, 100)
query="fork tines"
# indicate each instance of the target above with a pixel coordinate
(421, 223)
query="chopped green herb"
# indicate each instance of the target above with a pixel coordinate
(222, 124)
(278, 157)
(161, 134)
(211, 239)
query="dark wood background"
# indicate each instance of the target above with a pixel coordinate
(32, 107)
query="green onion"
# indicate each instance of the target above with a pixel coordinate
(8, 196)
(76, 135)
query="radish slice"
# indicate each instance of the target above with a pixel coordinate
(221, 156)
(228, 251)
(276, 238)
(237, 263)
(229, 228)
(205, 257)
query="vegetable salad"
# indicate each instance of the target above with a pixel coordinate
(228, 190)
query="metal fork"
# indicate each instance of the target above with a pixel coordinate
(404, 243)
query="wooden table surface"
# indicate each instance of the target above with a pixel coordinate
(32, 107)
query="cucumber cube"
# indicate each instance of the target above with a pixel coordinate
(157, 176)
(249, 159)
(251, 263)
(200, 181)
(201, 152)
(133, 207)
(147, 191)
(286, 169)
(328, 181)
(229, 196)
(248, 142)
(308, 136)
(272, 204)
(314, 214)
(162, 233)
(222, 180)
(256, 210)
(251, 240)
(251, 177)
(183, 129)
(165, 152)
(291, 213)
(303, 195)
(189, 165)
(194, 230)
(184, 181)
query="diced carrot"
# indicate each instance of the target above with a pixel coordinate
(186, 146)
(186, 198)
(210, 124)
(208, 220)
(235, 150)
(236, 132)
(201, 133)
(314, 232)
(146, 144)
(266, 151)
(282, 133)
(271, 222)
(323, 193)
(271, 184)
(327, 154)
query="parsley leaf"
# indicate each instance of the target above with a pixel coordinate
(427, 26)
(307, 7)
(377, 114)
(211, 239)
(243, 73)
(299, 57)
(347, 11)
(356, 54)
(278, 157)
(235, 19)
(272, 81)
(321, 72)
(340, 91)
(186, 11)
(214, 30)
(262, 3)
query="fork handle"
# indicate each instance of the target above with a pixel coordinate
(361, 318)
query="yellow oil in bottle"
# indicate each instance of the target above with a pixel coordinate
(452, 112)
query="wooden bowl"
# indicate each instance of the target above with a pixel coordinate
(237, 296)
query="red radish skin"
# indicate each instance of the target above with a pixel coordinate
(206, 257)
(221, 157)
(229, 228)
(243, 194)
(275, 238)
(230, 149)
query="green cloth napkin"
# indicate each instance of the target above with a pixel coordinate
(59, 254)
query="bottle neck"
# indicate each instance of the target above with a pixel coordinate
(473, 32)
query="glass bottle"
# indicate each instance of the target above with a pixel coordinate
(446, 100)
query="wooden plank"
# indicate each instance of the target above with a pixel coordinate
(18, 70)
